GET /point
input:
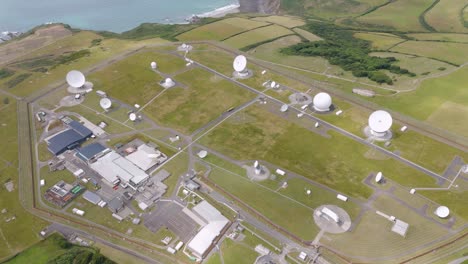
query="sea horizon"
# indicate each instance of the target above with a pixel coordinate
(106, 15)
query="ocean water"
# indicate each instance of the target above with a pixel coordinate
(112, 15)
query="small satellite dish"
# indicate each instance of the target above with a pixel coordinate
(378, 177)
(273, 84)
(75, 79)
(309, 192)
(154, 65)
(380, 121)
(240, 63)
(202, 154)
(256, 165)
(442, 211)
(132, 116)
(105, 103)
(284, 108)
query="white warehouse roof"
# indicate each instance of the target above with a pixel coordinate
(112, 166)
(146, 157)
(216, 222)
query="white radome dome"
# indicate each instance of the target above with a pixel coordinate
(322, 102)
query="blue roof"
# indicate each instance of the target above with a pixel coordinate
(64, 140)
(89, 151)
(79, 128)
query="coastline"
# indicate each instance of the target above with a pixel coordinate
(222, 11)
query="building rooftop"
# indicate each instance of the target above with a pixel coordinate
(400, 227)
(146, 157)
(90, 151)
(91, 197)
(68, 138)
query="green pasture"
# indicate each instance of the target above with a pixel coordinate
(285, 21)
(451, 37)
(445, 16)
(380, 41)
(256, 36)
(454, 53)
(307, 35)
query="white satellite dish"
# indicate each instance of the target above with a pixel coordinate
(442, 211)
(132, 116)
(105, 103)
(378, 177)
(380, 121)
(273, 84)
(284, 108)
(256, 165)
(75, 79)
(202, 154)
(154, 65)
(240, 63)
(309, 192)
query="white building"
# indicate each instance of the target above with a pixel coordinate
(216, 222)
(145, 157)
(115, 168)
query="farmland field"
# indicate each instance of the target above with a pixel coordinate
(452, 37)
(445, 16)
(307, 35)
(285, 21)
(221, 29)
(257, 35)
(380, 41)
(445, 51)
(400, 15)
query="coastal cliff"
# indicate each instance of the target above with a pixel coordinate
(259, 6)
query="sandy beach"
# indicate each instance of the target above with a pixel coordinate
(222, 11)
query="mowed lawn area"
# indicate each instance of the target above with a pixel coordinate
(257, 35)
(269, 203)
(445, 51)
(445, 16)
(380, 41)
(205, 97)
(400, 15)
(220, 30)
(8, 132)
(132, 80)
(338, 162)
(373, 237)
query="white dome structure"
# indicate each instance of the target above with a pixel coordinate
(379, 123)
(154, 65)
(442, 211)
(322, 102)
(167, 83)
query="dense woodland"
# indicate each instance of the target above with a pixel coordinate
(341, 48)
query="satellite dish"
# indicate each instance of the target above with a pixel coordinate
(132, 116)
(240, 63)
(284, 108)
(105, 103)
(256, 164)
(273, 84)
(154, 65)
(378, 177)
(380, 121)
(442, 211)
(309, 192)
(75, 79)
(202, 154)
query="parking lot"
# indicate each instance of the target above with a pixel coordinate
(170, 215)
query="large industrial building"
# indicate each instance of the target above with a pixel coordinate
(116, 169)
(146, 157)
(69, 138)
(216, 223)
(91, 152)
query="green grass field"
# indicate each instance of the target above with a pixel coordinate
(233, 253)
(289, 145)
(444, 51)
(400, 15)
(257, 35)
(221, 29)
(205, 98)
(285, 21)
(417, 65)
(132, 80)
(373, 237)
(380, 41)
(445, 16)
(452, 37)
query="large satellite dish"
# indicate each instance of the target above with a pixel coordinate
(380, 121)
(442, 211)
(284, 108)
(132, 117)
(240, 63)
(75, 79)
(273, 84)
(378, 177)
(105, 103)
